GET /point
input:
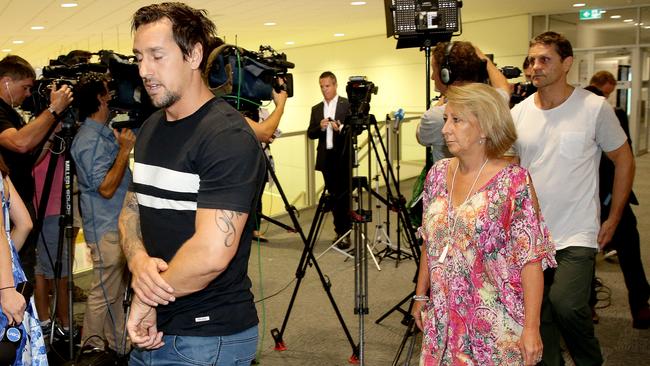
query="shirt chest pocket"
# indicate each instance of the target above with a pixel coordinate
(572, 144)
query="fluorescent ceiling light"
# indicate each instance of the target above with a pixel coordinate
(628, 20)
(646, 27)
(38, 27)
(270, 23)
(69, 5)
(339, 34)
(579, 5)
(289, 42)
(18, 42)
(615, 17)
(6, 50)
(358, 3)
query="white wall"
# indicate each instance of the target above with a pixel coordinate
(400, 76)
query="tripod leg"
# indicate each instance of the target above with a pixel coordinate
(411, 331)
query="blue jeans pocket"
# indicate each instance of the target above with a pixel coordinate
(196, 350)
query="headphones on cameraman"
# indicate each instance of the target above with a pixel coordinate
(446, 76)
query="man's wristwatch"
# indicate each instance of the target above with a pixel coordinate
(53, 112)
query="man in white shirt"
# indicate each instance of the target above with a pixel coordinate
(561, 133)
(332, 158)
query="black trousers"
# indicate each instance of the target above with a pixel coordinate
(337, 181)
(626, 242)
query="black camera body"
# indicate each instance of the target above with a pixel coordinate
(359, 91)
(125, 86)
(245, 78)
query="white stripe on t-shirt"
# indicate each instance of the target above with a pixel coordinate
(165, 204)
(167, 179)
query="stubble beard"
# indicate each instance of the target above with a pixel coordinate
(167, 100)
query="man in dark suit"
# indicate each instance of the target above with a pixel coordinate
(327, 124)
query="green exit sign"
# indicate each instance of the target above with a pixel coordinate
(588, 14)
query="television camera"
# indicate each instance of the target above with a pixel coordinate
(125, 86)
(245, 78)
(359, 91)
(521, 90)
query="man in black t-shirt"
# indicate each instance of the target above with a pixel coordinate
(185, 225)
(20, 142)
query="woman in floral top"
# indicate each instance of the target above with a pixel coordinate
(485, 243)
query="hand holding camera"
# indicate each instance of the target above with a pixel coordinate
(60, 98)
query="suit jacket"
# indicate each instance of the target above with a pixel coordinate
(314, 132)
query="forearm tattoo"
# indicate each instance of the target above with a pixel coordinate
(226, 225)
(131, 236)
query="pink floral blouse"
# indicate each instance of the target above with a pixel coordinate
(475, 314)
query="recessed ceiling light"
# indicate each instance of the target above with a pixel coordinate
(289, 42)
(358, 3)
(579, 5)
(38, 27)
(339, 34)
(603, 11)
(270, 23)
(628, 20)
(69, 5)
(636, 23)
(646, 27)
(615, 17)
(18, 42)
(6, 50)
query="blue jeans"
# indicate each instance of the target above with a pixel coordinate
(233, 350)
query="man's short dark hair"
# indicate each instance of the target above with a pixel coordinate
(90, 87)
(189, 26)
(16, 68)
(328, 74)
(557, 40)
(601, 78)
(463, 60)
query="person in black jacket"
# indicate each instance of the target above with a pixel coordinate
(327, 124)
(626, 240)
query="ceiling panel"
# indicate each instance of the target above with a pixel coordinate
(106, 23)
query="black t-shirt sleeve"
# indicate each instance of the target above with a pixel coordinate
(229, 168)
(5, 120)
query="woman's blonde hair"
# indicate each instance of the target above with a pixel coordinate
(492, 112)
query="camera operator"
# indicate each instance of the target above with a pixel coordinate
(101, 155)
(20, 141)
(455, 63)
(265, 129)
(326, 125)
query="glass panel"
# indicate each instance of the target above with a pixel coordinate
(539, 25)
(616, 27)
(645, 25)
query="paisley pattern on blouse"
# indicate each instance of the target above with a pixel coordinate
(475, 314)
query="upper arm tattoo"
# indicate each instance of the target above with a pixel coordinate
(225, 221)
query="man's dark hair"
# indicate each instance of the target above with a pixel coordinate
(90, 87)
(189, 26)
(16, 68)
(601, 78)
(526, 63)
(328, 74)
(561, 44)
(463, 60)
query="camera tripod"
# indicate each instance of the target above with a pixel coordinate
(307, 259)
(64, 140)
